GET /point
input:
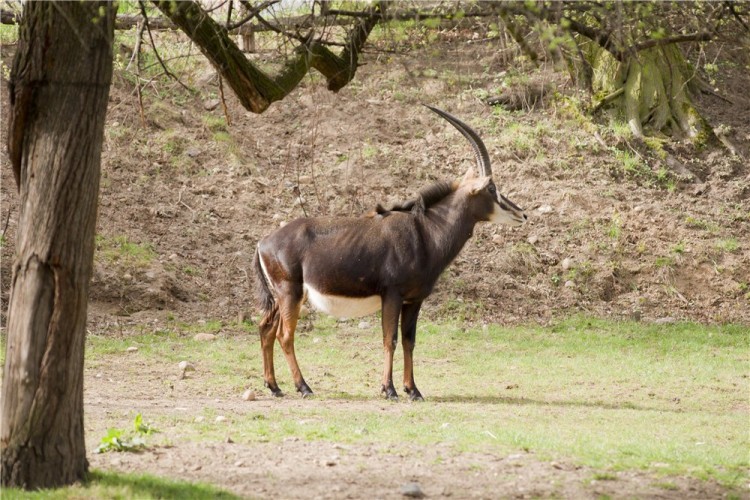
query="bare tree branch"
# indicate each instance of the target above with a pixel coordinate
(252, 12)
(693, 37)
(156, 52)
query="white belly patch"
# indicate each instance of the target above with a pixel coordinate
(342, 307)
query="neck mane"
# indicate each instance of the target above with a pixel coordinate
(426, 198)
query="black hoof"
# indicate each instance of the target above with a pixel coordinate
(414, 394)
(389, 393)
(305, 390)
(275, 390)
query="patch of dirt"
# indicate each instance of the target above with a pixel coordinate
(296, 468)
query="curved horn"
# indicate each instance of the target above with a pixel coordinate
(480, 150)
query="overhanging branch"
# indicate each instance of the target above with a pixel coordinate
(255, 89)
(703, 36)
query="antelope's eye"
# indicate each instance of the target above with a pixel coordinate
(492, 189)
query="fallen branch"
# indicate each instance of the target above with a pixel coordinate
(607, 99)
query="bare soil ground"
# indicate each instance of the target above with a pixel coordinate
(297, 468)
(198, 194)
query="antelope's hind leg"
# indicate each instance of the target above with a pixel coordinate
(289, 307)
(269, 324)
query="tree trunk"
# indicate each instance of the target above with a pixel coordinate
(59, 89)
(652, 88)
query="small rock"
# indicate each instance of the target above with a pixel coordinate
(248, 395)
(364, 325)
(412, 490)
(204, 337)
(569, 284)
(186, 366)
(229, 440)
(566, 263)
(211, 104)
(221, 418)
(533, 239)
(131, 349)
(193, 152)
(199, 418)
(544, 209)
(497, 239)
(239, 463)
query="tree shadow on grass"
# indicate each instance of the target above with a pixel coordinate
(147, 486)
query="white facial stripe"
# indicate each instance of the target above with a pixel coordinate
(502, 215)
(343, 307)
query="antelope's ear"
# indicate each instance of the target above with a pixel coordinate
(470, 174)
(479, 184)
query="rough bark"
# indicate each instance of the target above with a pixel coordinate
(255, 89)
(59, 89)
(651, 88)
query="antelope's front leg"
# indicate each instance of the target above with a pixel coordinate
(409, 315)
(391, 311)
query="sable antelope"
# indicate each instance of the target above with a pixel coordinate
(388, 259)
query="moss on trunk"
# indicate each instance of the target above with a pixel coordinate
(657, 90)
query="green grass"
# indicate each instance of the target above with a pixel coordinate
(8, 34)
(124, 486)
(728, 244)
(609, 395)
(120, 249)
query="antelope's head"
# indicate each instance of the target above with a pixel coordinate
(487, 202)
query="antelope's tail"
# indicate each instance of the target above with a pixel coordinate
(263, 294)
